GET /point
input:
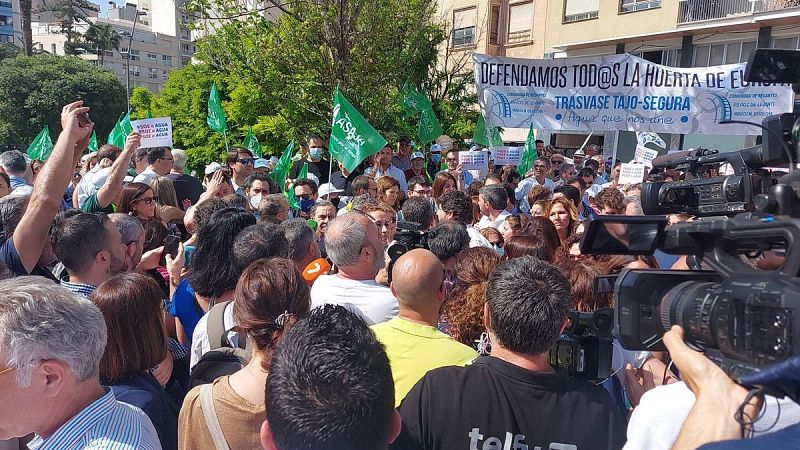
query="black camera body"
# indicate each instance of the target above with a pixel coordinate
(407, 237)
(744, 319)
(585, 347)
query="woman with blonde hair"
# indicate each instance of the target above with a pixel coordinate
(564, 216)
(167, 204)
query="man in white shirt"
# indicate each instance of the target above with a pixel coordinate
(354, 245)
(383, 168)
(159, 163)
(541, 167)
(492, 201)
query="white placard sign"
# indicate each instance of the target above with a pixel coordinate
(644, 155)
(475, 161)
(511, 156)
(155, 132)
(631, 173)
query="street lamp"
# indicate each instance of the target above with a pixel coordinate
(128, 55)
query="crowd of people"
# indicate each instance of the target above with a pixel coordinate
(408, 304)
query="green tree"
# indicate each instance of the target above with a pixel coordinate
(366, 48)
(185, 99)
(141, 102)
(34, 89)
(8, 50)
(101, 37)
(70, 13)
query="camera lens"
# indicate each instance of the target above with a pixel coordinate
(691, 305)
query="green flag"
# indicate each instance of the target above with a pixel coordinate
(149, 114)
(529, 154)
(120, 131)
(429, 128)
(291, 199)
(93, 142)
(489, 137)
(303, 172)
(413, 100)
(251, 143)
(216, 116)
(352, 137)
(281, 169)
(42, 146)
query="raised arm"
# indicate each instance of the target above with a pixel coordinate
(113, 185)
(48, 190)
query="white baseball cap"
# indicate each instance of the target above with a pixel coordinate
(329, 188)
(213, 167)
(260, 162)
(416, 155)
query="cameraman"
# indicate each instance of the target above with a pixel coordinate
(513, 398)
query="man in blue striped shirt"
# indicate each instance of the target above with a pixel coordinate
(51, 342)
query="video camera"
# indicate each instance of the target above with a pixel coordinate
(585, 347)
(743, 318)
(407, 237)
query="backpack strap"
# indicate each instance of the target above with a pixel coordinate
(216, 326)
(210, 414)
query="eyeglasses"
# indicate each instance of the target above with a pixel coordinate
(422, 192)
(246, 161)
(556, 162)
(305, 197)
(167, 159)
(452, 159)
(148, 200)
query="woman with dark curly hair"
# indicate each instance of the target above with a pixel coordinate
(463, 309)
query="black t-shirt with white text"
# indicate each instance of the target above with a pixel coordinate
(495, 405)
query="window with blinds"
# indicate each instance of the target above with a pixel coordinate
(575, 10)
(464, 26)
(626, 6)
(520, 20)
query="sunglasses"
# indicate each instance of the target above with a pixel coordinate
(246, 161)
(147, 200)
(557, 162)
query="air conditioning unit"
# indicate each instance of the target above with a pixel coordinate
(549, 55)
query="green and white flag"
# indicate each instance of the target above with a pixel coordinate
(121, 131)
(303, 172)
(251, 143)
(42, 145)
(216, 116)
(529, 154)
(352, 137)
(281, 169)
(93, 147)
(429, 128)
(413, 100)
(488, 137)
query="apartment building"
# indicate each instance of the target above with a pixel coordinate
(10, 30)
(681, 33)
(159, 43)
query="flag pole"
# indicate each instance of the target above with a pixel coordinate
(225, 134)
(330, 171)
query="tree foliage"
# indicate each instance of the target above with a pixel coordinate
(278, 76)
(34, 89)
(101, 37)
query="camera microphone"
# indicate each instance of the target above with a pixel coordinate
(314, 269)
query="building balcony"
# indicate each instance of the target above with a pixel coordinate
(693, 11)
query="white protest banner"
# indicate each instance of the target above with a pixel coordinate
(631, 173)
(155, 132)
(475, 161)
(644, 155)
(622, 92)
(511, 156)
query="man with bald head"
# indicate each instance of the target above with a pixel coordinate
(354, 245)
(412, 341)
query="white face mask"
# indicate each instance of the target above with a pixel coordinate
(255, 201)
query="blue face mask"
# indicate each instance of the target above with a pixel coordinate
(435, 157)
(499, 250)
(315, 152)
